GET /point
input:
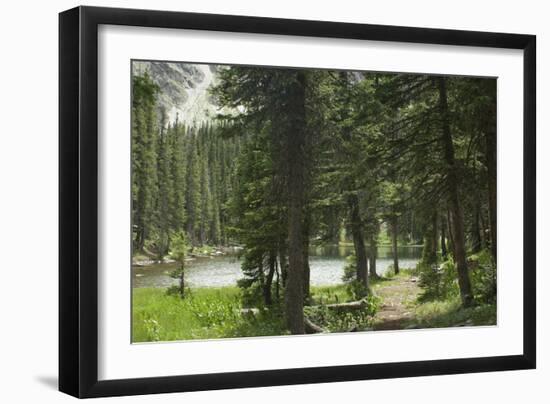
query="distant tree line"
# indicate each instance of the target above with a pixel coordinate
(182, 177)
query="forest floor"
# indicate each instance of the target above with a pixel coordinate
(398, 298)
(400, 307)
(208, 313)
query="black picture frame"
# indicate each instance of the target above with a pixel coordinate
(78, 201)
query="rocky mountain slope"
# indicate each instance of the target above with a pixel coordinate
(183, 89)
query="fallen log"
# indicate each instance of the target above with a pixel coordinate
(312, 328)
(357, 305)
(349, 305)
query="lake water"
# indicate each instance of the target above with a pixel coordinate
(326, 264)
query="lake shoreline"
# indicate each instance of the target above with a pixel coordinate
(326, 264)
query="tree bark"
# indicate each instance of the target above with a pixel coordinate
(305, 251)
(191, 233)
(483, 231)
(373, 253)
(202, 235)
(140, 239)
(269, 280)
(356, 225)
(412, 227)
(278, 283)
(312, 328)
(450, 228)
(435, 237)
(431, 237)
(283, 264)
(443, 241)
(454, 201)
(394, 244)
(296, 142)
(476, 236)
(182, 281)
(428, 256)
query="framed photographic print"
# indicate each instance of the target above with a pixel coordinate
(250, 201)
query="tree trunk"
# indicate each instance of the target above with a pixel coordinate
(312, 328)
(296, 142)
(483, 231)
(307, 272)
(443, 241)
(373, 247)
(394, 244)
(435, 237)
(305, 251)
(202, 235)
(413, 239)
(182, 282)
(278, 283)
(358, 240)
(283, 264)
(140, 239)
(454, 201)
(476, 236)
(429, 252)
(191, 232)
(269, 280)
(450, 228)
(261, 274)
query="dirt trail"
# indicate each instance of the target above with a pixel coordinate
(398, 296)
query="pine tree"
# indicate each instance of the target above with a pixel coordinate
(165, 187)
(178, 176)
(275, 99)
(193, 197)
(205, 201)
(179, 254)
(144, 127)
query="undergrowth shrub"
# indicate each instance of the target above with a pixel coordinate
(152, 329)
(212, 312)
(337, 320)
(266, 322)
(174, 290)
(350, 269)
(483, 276)
(354, 288)
(439, 282)
(252, 292)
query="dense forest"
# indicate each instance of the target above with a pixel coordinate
(182, 177)
(311, 157)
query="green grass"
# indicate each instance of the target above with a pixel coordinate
(208, 313)
(449, 313)
(205, 313)
(329, 294)
(403, 273)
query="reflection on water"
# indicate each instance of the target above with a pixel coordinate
(326, 263)
(384, 252)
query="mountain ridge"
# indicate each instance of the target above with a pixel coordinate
(183, 91)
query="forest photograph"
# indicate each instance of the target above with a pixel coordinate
(270, 201)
